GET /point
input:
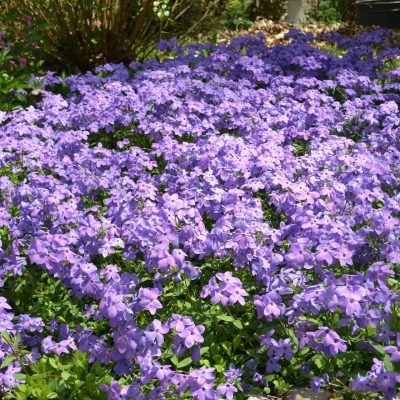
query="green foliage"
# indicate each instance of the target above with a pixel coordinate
(328, 11)
(86, 33)
(231, 331)
(69, 377)
(50, 299)
(18, 350)
(271, 9)
(301, 147)
(241, 13)
(347, 9)
(110, 141)
(270, 212)
(16, 67)
(332, 11)
(238, 13)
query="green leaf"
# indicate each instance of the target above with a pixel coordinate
(205, 362)
(214, 348)
(20, 97)
(225, 317)
(65, 375)
(214, 38)
(227, 347)
(219, 359)
(184, 362)
(17, 339)
(387, 363)
(236, 342)
(22, 388)
(53, 363)
(219, 368)
(392, 281)
(238, 323)
(8, 360)
(6, 336)
(52, 395)
(319, 362)
(174, 360)
(379, 349)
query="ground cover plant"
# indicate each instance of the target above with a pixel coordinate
(218, 221)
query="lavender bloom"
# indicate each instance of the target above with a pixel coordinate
(148, 300)
(316, 383)
(227, 390)
(268, 306)
(351, 298)
(394, 350)
(329, 341)
(230, 290)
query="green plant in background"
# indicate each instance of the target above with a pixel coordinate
(328, 12)
(332, 11)
(347, 9)
(271, 9)
(241, 13)
(16, 68)
(86, 33)
(238, 13)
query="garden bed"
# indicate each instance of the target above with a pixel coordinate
(219, 222)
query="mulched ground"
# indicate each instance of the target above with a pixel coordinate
(275, 31)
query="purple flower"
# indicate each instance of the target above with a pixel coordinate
(227, 390)
(230, 290)
(394, 350)
(148, 300)
(111, 273)
(316, 383)
(350, 298)
(192, 335)
(179, 323)
(156, 331)
(329, 341)
(268, 306)
(3, 304)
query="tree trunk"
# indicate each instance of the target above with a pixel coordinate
(296, 11)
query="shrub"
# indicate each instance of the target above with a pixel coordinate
(86, 33)
(237, 13)
(329, 11)
(16, 68)
(241, 13)
(347, 9)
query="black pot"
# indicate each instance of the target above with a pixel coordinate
(378, 12)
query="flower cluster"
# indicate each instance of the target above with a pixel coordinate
(222, 217)
(188, 336)
(230, 291)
